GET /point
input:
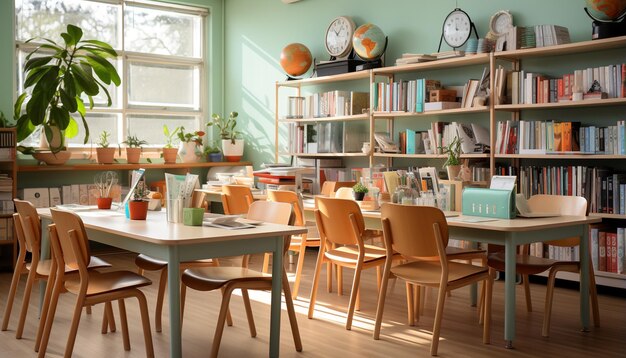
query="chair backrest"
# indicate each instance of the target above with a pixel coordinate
(335, 218)
(31, 224)
(330, 187)
(19, 233)
(564, 205)
(344, 193)
(236, 199)
(271, 212)
(410, 230)
(289, 197)
(74, 254)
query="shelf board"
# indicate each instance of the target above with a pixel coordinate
(560, 156)
(428, 156)
(567, 49)
(6, 242)
(315, 155)
(480, 109)
(570, 104)
(350, 76)
(469, 60)
(602, 278)
(86, 167)
(608, 216)
(357, 117)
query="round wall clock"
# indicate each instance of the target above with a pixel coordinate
(457, 28)
(339, 36)
(500, 23)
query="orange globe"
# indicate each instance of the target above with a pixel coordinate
(295, 59)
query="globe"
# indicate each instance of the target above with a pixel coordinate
(369, 41)
(606, 10)
(295, 59)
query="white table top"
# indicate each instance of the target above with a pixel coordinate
(155, 229)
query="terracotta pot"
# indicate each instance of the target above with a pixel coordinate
(133, 155)
(53, 158)
(232, 152)
(170, 155)
(105, 155)
(104, 203)
(138, 210)
(190, 152)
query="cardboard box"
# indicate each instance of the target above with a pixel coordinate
(443, 95)
(39, 197)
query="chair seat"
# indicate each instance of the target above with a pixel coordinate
(428, 273)
(349, 254)
(150, 263)
(526, 264)
(107, 282)
(43, 267)
(211, 278)
(296, 241)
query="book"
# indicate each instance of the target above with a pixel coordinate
(438, 106)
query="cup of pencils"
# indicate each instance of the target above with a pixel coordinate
(104, 182)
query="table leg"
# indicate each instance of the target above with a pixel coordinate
(277, 273)
(509, 290)
(584, 278)
(173, 282)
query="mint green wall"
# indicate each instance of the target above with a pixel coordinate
(257, 30)
(6, 57)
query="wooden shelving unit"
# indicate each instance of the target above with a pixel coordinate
(8, 166)
(147, 166)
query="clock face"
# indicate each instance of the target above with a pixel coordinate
(339, 36)
(500, 23)
(456, 28)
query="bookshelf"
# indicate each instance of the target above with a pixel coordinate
(8, 190)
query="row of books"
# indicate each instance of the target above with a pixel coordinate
(328, 104)
(519, 37)
(403, 96)
(316, 138)
(6, 229)
(7, 139)
(604, 190)
(607, 247)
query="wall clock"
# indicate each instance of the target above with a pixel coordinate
(457, 28)
(339, 37)
(500, 23)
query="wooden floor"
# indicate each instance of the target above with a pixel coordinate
(325, 335)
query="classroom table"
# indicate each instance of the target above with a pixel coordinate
(175, 243)
(511, 233)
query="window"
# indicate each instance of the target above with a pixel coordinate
(161, 61)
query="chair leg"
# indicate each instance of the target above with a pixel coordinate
(217, 338)
(441, 300)
(229, 318)
(266, 262)
(329, 276)
(183, 298)
(526, 283)
(71, 338)
(316, 277)
(54, 299)
(145, 322)
(382, 294)
(160, 297)
(299, 269)
(339, 271)
(547, 315)
(248, 307)
(124, 324)
(409, 304)
(379, 276)
(32, 274)
(17, 274)
(291, 312)
(45, 306)
(110, 317)
(354, 294)
(357, 305)
(88, 309)
(419, 301)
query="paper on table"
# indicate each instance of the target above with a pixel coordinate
(503, 182)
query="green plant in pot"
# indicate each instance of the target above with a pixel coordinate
(190, 147)
(213, 153)
(105, 153)
(359, 191)
(133, 148)
(170, 153)
(138, 205)
(57, 80)
(453, 160)
(232, 143)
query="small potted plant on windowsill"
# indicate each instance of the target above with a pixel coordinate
(232, 143)
(104, 152)
(453, 161)
(190, 147)
(213, 153)
(133, 148)
(138, 205)
(359, 191)
(170, 153)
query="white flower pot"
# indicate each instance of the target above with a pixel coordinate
(232, 152)
(190, 152)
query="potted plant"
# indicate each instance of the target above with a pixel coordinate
(169, 152)
(453, 161)
(232, 143)
(190, 147)
(104, 182)
(213, 153)
(138, 205)
(133, 148)
(105, 153)
(55, 83)
(359, 191)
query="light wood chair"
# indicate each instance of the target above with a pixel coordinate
(344, 193)
(330, 187)
(231, 278)
(430, 266)
(531, 265)
(71, 248)
(342, 232)
(236, 199)
(28, 231)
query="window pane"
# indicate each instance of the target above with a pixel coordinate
(98, 122)
(162, 32)
(150, 127)
(163, 85)
(45, 18)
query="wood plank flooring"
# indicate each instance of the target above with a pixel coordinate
(325, 335)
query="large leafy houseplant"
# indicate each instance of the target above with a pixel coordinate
(58, 79)
(226, 126)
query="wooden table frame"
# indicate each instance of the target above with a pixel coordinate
(176, 243)
(512, 233)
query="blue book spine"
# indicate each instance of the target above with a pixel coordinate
(410, 141)
(622, 199)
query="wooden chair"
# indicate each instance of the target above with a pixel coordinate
(330, 187)
(531, 265)
(231, 278)
(431, 266)
(236, 199)
(71, 248)
(28, 231)
(344, 193)
(342, 232)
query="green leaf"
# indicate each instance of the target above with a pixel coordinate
(80, 106)
(86, 126)
(72, 129)
(36, 62)
(17, 108)
(24, 128)
(69, 40)
(60, 116)
(90, 102)
(103, 45)
(75, 32)
(111, 72)
(106, 92)
(35, 75)
(36, 108)
(68, 101)
(101, 71)
(70, 87)
(85, 80)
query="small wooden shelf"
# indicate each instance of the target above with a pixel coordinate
(351, 76)
(6, 242)
(608, 216)
(570, 104)
(567, 49)
(560, 156)
(469, 60)
(428, 156)
(385, 115)
(315, 155)
(87, 167)
(356, 117)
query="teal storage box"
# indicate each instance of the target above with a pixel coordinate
(491, 203)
